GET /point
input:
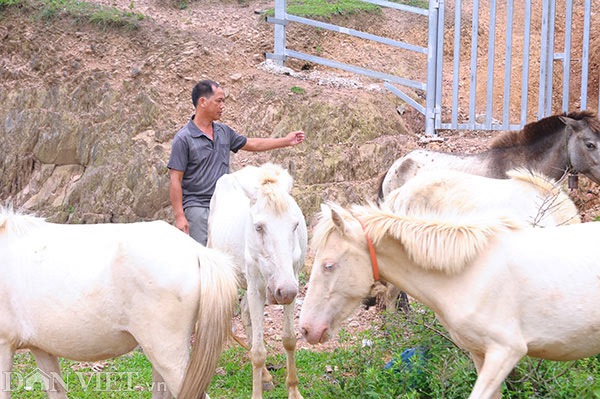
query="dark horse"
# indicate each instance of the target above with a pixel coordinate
(552, 146)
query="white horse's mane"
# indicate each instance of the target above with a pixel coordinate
(16, 222)
(428, 193)
(274, 186)
(446, 243)
(562, 206)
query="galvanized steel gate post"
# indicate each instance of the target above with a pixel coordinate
(434, 57)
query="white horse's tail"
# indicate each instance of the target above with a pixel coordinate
(218, 297)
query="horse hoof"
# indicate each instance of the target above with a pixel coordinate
(268, 386)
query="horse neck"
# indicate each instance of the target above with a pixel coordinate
(547, 156)
(431, 288)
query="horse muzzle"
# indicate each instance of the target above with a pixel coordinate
(281, 295)
(315, 334)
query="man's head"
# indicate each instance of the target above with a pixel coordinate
(208, 99)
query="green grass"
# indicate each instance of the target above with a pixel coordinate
(81, 10)
(95, 13)
(326, 9)
(297, 90)
(6, 3)
(415, 3)
(128, 376)
(353, 370)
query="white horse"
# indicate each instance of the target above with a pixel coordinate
(503, 291)
(526, 196)
(92, 292)
(254, 218)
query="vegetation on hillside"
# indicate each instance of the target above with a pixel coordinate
(80, 10)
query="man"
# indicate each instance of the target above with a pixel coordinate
(200, 156)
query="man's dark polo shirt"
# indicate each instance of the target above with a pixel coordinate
(201, 160)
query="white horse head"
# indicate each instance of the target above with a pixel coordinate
(341, 287)
(254, 218)
(272, 230)
(342, 274)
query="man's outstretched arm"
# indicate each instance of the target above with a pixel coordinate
(264, 144)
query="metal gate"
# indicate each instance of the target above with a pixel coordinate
(521, 84)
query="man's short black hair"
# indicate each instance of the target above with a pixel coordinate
(204, 89)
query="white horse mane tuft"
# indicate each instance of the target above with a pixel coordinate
(446, 243)
(16, 222)
(556, 198)
(275, 184)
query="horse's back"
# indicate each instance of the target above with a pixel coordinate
(417, 161)
(78, 289)
(450, 191)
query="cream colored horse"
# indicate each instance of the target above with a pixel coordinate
(502, 290)
(92, 292)
(526, 196)
(254, 218)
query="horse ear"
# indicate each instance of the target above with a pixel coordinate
(570, 122)
(565, 119)
(248, 189)
(338, 221)
(286, 181)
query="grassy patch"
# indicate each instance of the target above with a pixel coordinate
(81, 10)
(405, 356)
(326, 9)
(401, 356)
(6, 3)
(297, 90)
(414, 3)
(128, 376)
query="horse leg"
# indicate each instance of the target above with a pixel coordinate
(493, 368)
(166, 346)
(258, 353)
(159, 386)
(49, 365)
(289, 343)
(7, 354)
(267, 378)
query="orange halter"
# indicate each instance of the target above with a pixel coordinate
(371, 252)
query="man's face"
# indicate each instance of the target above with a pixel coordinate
(214, 105)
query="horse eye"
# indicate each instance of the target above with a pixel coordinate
(329, 266)
(295, 226)
(590, 146)
(259, 228)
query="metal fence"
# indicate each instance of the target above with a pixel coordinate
(528, 71)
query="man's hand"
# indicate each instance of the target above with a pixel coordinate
(182, 224)
(294, 138)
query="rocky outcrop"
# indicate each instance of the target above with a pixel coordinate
(93, 147)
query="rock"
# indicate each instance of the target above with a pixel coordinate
(235, 77)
